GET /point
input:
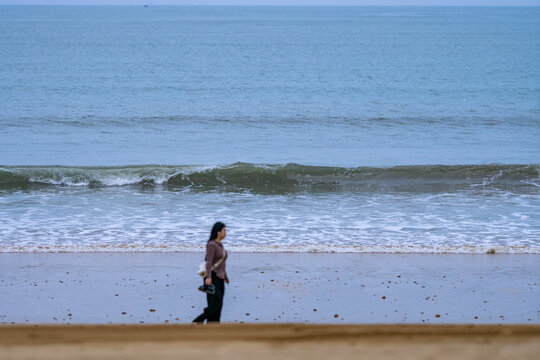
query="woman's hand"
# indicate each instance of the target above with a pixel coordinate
(208, 281)
(227, 280)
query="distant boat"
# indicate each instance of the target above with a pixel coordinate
(145, 5)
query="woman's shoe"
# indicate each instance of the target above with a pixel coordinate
(209, 289)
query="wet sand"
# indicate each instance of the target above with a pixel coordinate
(161, 288)
(277, 341)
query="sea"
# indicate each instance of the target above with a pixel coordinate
(303, 129)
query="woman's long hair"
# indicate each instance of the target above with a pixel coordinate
(215, 229)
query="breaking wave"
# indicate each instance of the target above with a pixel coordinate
(276, 178)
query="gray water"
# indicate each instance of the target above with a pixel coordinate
(132, 128)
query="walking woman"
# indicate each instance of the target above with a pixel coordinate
(216, 258)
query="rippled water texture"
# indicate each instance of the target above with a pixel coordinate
(104, 86)
(304, 129)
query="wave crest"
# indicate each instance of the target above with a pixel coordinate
(276, 178)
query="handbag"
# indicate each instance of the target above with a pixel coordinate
(202, 266)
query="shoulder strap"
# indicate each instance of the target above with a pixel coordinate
(220, 260)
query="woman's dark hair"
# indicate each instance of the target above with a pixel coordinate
(215, 229)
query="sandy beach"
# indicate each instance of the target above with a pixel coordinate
(278, 306)
(161, 288)
(298, 341)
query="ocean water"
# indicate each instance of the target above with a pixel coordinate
(363, 129)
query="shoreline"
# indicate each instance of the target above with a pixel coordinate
(129, 249)
(328, 250)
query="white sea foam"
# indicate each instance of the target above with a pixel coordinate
(123, 219)
(128, 248)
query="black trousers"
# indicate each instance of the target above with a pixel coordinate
(212, 313)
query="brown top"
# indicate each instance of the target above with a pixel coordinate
(214, 252)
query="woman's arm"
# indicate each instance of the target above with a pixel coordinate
(225, 270)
